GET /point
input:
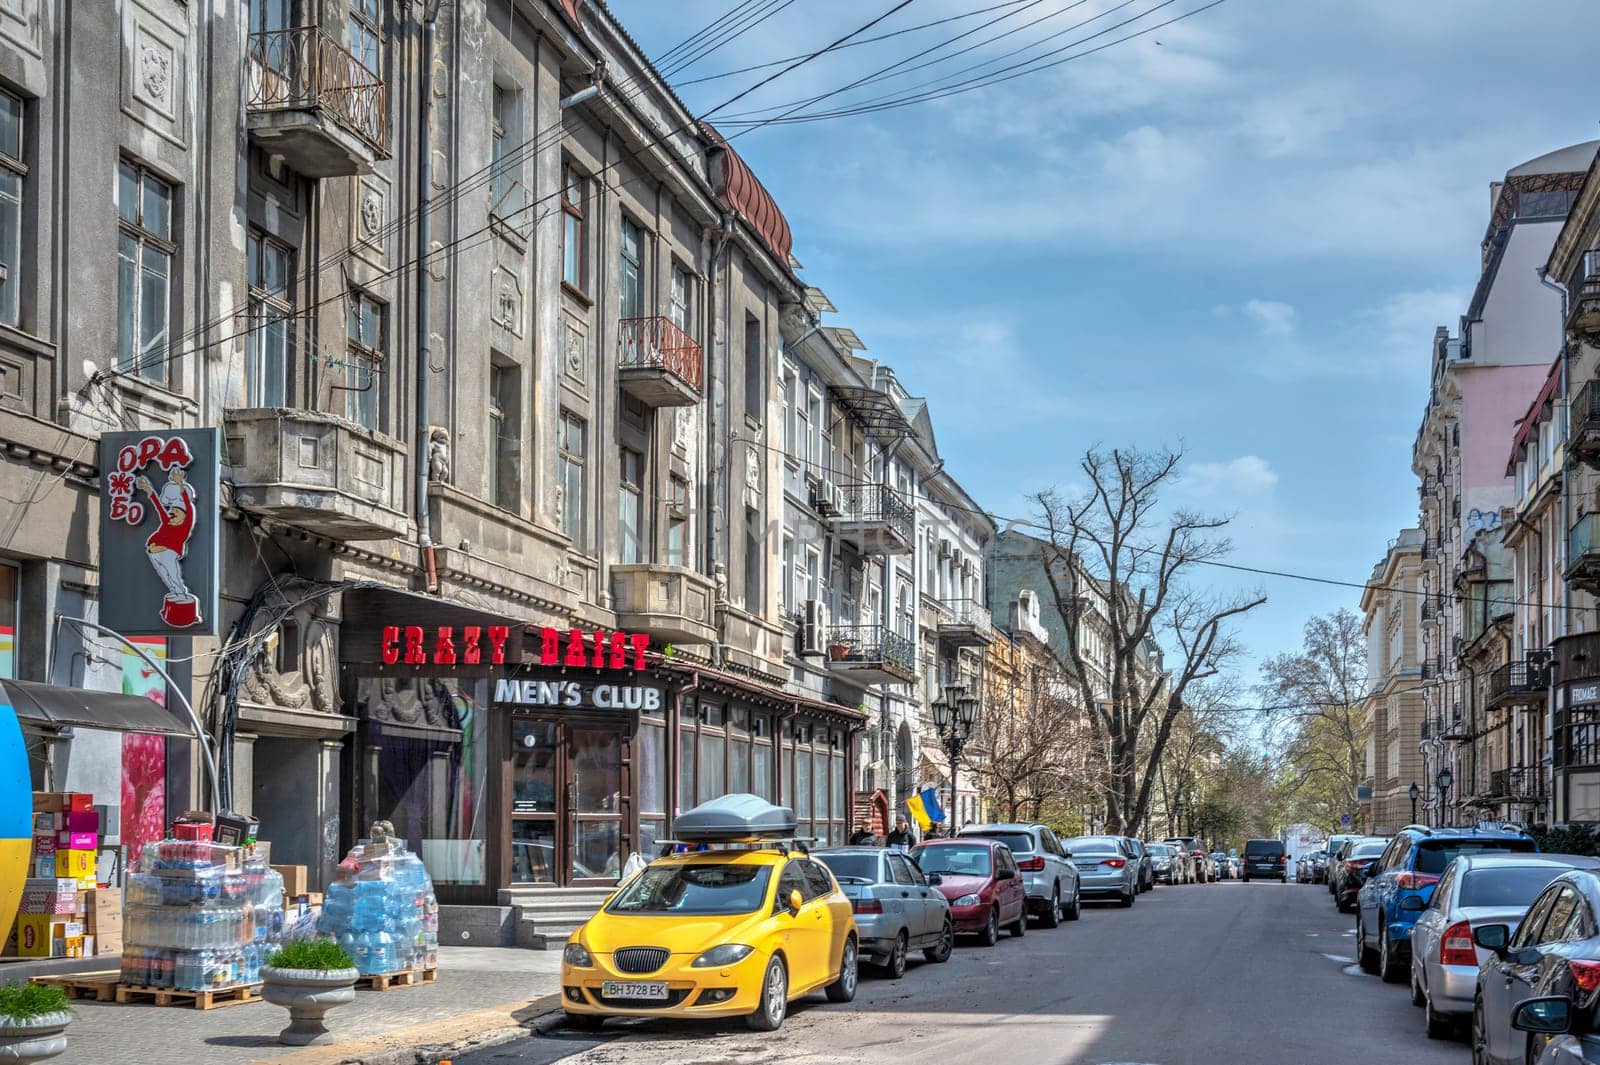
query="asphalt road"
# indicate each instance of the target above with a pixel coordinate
(1244, 974)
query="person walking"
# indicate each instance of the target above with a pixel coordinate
(901, 836)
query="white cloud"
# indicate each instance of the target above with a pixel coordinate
(1271, 317)
(1223, 482)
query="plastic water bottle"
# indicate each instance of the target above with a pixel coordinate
(383, 952)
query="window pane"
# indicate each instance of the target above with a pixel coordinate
(837, 771)
(154, 304)
(572, 252)
(127, 193)
(685, 769)
(8, 621)
(738, 765)
(761, 782)
(628, 524)
(361, 405)
(711, 778)
(10, 125)
(819, 785)
(157, 207)
(597, 770)
(652, 769)
(533, 852)
(533, 767)
(10, 244)
(127, 295)
(802, 784)
(265, 383)
(275, 269)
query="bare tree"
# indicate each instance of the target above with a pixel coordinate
(1200, 736)
(1116, 542)
(1035, 736)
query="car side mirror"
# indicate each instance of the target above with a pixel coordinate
(796, 900)
(934, 879)
(1550, 1015)
(1492, 937)
(1005, 874)
(1066, 854)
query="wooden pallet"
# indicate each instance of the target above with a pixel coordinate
(403, 978)
(101, 987)
(210, 999)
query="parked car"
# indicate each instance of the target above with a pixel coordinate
(1265, 859)
(1219, 863)
(1359, 857)
(1401, 883)
(1170, 864)
(1105, 867)
(1145, 875)
(1195, 852)
(1553, 956)
(1335, 845)
(1235, 866)
(1475, 890)
(897, 908)
(1319, 867)
(1047, 871)
(979, 878)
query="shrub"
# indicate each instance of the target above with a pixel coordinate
(25, 1001)
(1569, 839)
(312, 954)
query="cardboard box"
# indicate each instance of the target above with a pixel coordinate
(49, 802)
(70, 947)
(37, 933)
(79, 802)
(44, 844)
(195, 831)
(78, 864)
(43, 867)
(70, 840)
(103, 910)
(108, 943)
(46, 823)
(294, 879)
(80, 821)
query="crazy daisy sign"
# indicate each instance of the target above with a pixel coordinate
(158, 532)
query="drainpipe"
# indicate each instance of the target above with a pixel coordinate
(424, 301)
(1566, 520)
(719, 238)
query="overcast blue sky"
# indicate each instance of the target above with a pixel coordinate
(1237, 233)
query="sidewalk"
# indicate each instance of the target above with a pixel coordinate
(482, 995)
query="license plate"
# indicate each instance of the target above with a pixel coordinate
(643, 990)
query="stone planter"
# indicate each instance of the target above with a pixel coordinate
(307, 994)
(34, 1039)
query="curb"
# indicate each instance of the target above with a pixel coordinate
(426, 1044)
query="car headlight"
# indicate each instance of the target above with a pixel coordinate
(577, 955)
(727, 954)
(971, 899)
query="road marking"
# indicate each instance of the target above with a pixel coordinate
(1344, 958)
(1353, 970)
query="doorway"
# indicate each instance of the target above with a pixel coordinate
(571, 797)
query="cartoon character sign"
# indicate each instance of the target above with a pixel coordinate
(163, 486)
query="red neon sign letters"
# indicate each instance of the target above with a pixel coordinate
(473, 645)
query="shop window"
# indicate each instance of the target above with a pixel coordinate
(802, 788)
(10, 615)
(652, 760)
(761, 764)
(145, 253)
(711, 779)
(738, 764)
(686, 752)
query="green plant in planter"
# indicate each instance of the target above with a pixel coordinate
(23, 1002)
(312, 954)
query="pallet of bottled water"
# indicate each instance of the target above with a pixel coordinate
(381, 908)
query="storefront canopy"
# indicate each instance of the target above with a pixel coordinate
(54, 706)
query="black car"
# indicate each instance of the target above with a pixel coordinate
(1265, 859)
(1353, 869)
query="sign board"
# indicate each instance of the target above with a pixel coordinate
(1344, 820)
(159, 520)
(565, 693)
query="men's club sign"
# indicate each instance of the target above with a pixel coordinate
(158, 532)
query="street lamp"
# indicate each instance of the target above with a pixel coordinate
(953, 718)
(1415, 793)
(1444, 780)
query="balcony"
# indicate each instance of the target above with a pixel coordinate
(657, 363)
(313, 103)
(1583, 554)
(871, 654)
(1517, 684)
(1518, 784)
(1430, 608)
(1583, 295)
(317, 472)
(874, 519)
(1583, 429)
(672, 603)
(964, 623)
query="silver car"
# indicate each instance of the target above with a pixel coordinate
(1170, 864)
(1106, 867)
(898, 909)
(1473, 890)
(1047, 870)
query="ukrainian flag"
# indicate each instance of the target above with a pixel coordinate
(919, 812)
(930, 804)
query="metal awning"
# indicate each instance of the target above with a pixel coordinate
(54, 706)
(878, 413)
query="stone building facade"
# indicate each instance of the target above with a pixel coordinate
(1393, 607)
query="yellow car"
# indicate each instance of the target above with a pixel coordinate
(717, 933)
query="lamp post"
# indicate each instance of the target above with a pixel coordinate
(953, 717)
(1443, 780)
(1415, 793)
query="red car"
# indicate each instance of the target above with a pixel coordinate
(979, 878)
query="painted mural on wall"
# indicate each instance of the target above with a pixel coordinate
(144, 757)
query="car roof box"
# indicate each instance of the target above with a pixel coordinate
(732, 818)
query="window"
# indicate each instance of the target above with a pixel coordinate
(818, 882)
(677, 522)
(266, 374)
(754, 561)
(813, 575)
(573, 232)
(10, 598)
(631, 272)
(800, 445)
(792, 879)
(505, 451)
(505, 131)
(652, 786)
(12, 173)
(144, 272)
(814, 432)
(786, 581)
(363, 362)
(569, 476)
(785, 390)
(680, 298)
(754, 386)
(361, 33)
(629, 503)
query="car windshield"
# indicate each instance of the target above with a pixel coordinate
(852, 868)
(1264, 849)
(1094, 845)
(1368, 850)
(953, 859)
(694, 889)
(1160, 850)
(1512, 886)
(1434, 855)
(1019, 842)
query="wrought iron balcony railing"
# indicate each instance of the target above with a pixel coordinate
(307, 69)
(871, 646)
(1517, 683)
(1518, 782)
(870, 502)
(656, 343)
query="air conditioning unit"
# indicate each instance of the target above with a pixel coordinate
(814, 629)
(827, 499)
(944, 548)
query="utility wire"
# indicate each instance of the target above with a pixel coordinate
(774, 7)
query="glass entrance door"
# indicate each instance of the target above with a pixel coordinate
(536, 772)
(597, 813)
(570, 798)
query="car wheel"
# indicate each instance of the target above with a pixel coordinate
(582, 1022)
(1417, 997)
(1366, 957)
(1052, 913)
(1480, 1035)
(1073, 912)
(1020, 927)
(895, 967)
(768, 1016)
(1388, 957)
(947, 943)
(1437, 1025)
(991, 928)
(1127, 900)
(843, 989)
